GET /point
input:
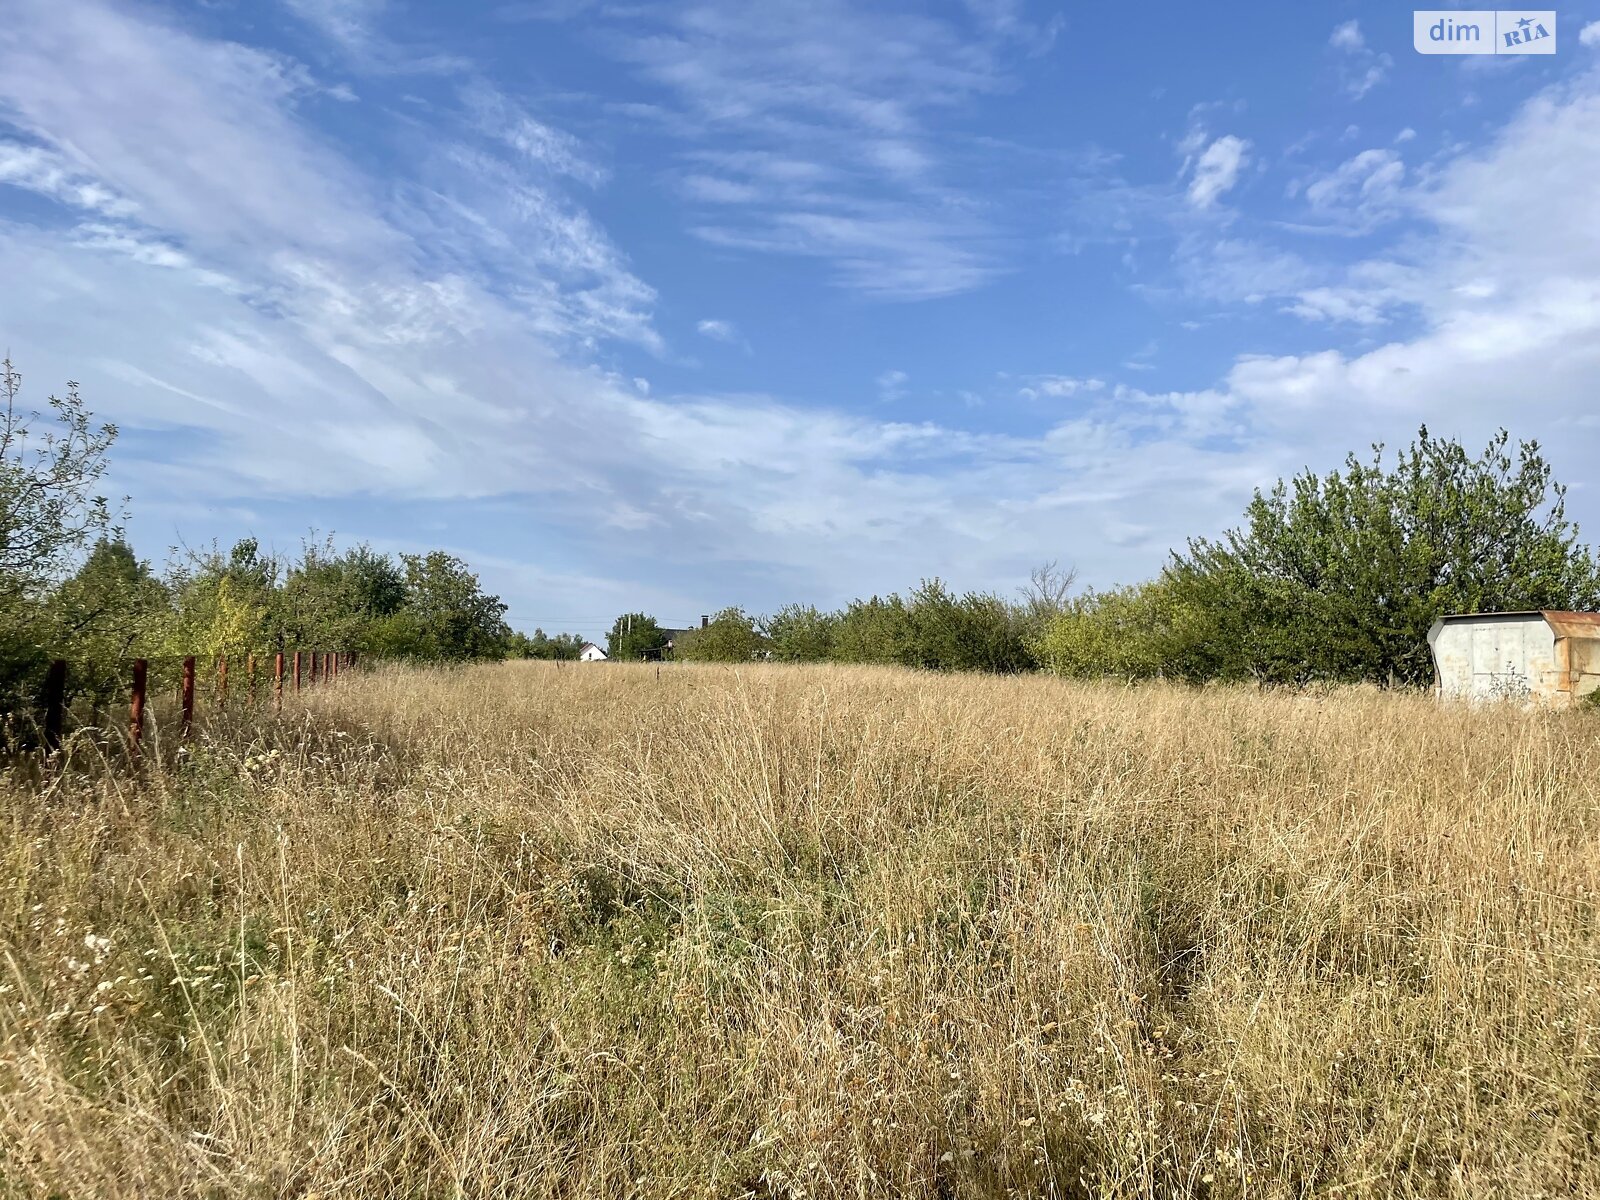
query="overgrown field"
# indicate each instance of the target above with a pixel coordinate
(529, 930)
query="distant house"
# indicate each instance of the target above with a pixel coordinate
(591, 653)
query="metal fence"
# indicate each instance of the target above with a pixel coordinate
(289, 672)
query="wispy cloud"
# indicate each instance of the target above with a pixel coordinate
(1216, 169)
(1058, 386)
(892, 386)
(819, 115)
(503, 119)
(1359, 193)
(51, 174)
(355, 27)
(1347, 37)
(1361, 68)
(718, 329)
(350, 22)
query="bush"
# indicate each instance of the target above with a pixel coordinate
(1128, 632)
(730, 636)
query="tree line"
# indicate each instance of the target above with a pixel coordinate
(1334, 578)
(72, 588)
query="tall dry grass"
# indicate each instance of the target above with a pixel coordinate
(538, 931)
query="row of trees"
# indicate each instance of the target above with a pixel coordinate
(114, 608)
(71, 587)
(1339, 577)
(930, 627)
(1334, 577)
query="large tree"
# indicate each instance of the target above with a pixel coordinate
(106, 613)
(1340, 576)
(447, 616)
(633, 636)
(329, 600)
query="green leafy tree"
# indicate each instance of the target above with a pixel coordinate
(872, 630)
(110, 611)
(972, 632)
(331, 600)
(48, 507)
(800, 633)
(935, 629)
(50, 468)
(1135, 632)
(447, 616)
(633, 636)
(1340, 576)
(222, 605)
(730, 636)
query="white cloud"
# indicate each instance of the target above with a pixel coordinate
(1347, 37)
(347, 21)
(829, 102)
(1217, 169)
(1361, 68)
(880, 249)
(1338, 304)
(1361, 191)
(717, 330)
(354, 28)
(892, 386)
(51, 174)
(503, 119)
(208, 116)
(713, 189)
(1589, 35)
(1058, 386)
(1238, 270)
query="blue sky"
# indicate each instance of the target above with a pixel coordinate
(684, 306)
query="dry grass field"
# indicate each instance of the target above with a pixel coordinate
(530, 930)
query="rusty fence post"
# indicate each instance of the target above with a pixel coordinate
(277, 682)
(334, 663)
(186, 695)
(141, 670)
(350, 661)
(55, 704)
(297, 670)
(316, 666)
(222, 681)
